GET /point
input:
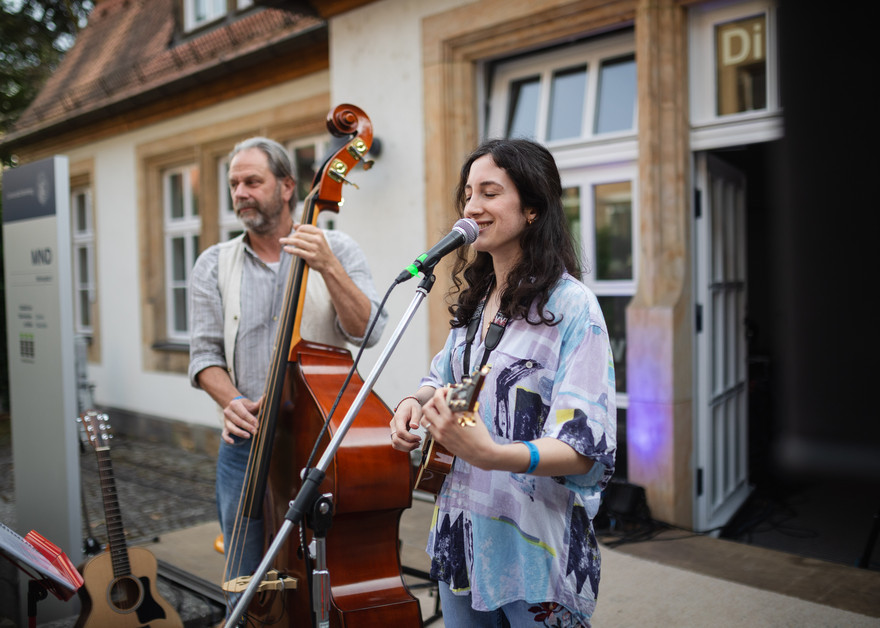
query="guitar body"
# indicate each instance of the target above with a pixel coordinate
(129, 601)
(436, 460)
(435, 466)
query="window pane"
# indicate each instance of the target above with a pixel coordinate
(571, 205)
(617, 95)
(194, 190)
(614, 234)
(82, 265)
(741, 65)
(180, 322)
(175, 195)
(305, 167)
(81, 218)
(522, 116)
(85, 312)
(614, 310)
(568, 94)
(178, 259)
(208, 9)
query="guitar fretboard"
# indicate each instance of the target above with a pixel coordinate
(112, 515)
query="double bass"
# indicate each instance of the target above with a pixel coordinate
(369, 481)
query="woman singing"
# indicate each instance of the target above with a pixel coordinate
(512, 541)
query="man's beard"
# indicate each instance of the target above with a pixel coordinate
(265, 218)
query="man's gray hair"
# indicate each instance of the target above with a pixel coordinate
(279, 160)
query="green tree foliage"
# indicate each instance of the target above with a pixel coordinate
(33, 38)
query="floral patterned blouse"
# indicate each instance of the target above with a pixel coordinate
(504, 536)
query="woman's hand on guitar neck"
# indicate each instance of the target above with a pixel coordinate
(468, 440)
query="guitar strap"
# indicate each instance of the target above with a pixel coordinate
(493, 335)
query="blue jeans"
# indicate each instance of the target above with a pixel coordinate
(457, 613)
(243, 555)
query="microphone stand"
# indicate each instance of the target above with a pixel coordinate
(307, 500)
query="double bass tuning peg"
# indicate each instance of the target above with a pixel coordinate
(359, 149)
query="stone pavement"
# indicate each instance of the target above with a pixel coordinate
(166, 500)
(167, 504)
(160, 489)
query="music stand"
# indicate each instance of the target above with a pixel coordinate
(49, 569)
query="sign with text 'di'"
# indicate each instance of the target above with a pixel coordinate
(41, 358)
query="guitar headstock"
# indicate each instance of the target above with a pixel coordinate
(96, 428)
(462, 397)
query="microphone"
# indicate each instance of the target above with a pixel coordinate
(464, 231)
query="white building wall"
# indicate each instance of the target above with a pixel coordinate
(376, 64)
(119, 378)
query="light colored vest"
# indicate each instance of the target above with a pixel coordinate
(319, 318)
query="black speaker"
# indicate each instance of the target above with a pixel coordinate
(623, 505)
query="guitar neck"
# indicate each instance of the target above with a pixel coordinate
(112, 515)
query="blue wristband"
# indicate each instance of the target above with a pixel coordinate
(239, 397)
(534, 456)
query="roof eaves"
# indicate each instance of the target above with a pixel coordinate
(179, 68)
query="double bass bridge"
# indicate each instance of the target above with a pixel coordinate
(274, 581)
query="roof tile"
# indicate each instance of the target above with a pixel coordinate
(132, 46)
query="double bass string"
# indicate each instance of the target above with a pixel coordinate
(374, 529)
(348, 377)
(260, 446)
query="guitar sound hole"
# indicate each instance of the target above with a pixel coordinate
(125, 594)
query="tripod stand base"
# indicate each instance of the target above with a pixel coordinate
(433, 591)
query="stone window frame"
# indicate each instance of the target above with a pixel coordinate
(82, 175)
(205, 147)
(456, 46)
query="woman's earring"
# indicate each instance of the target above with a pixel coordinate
(530, 220)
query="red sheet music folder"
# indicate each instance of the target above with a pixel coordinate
(41, 560)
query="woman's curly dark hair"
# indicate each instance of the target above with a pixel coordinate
(547, 246)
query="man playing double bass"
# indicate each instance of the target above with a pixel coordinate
(236, 294)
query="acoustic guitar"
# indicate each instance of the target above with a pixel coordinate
(436, 460)
(120, 584)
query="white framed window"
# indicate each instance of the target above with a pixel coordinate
(230, 226)
(600, 204)
(83, 235)
(734, 80)
(196, 13)
(180, 187)
(307, 156)
(580, 102)
(574, 95)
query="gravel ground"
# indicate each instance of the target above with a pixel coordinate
(160, 488)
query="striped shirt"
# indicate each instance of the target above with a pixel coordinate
(262, 298)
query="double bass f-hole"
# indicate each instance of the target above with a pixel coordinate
(369, 481)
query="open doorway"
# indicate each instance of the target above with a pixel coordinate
(823, 513)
